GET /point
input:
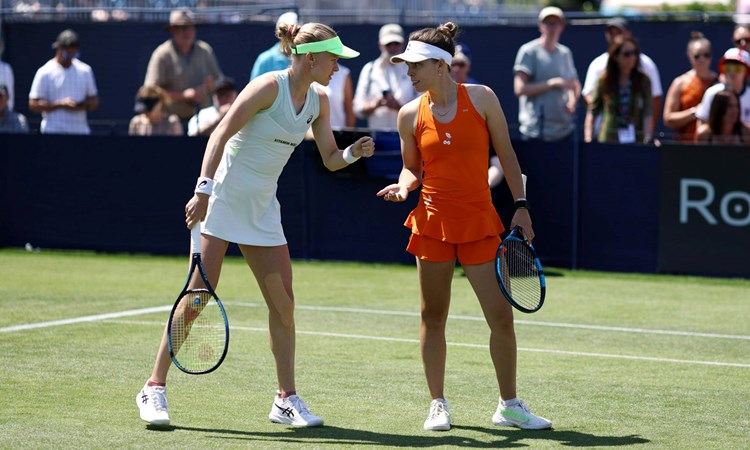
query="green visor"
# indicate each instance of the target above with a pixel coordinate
(333, 45)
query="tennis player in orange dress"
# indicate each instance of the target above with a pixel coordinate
(445, 137)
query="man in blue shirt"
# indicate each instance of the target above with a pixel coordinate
(273, 58)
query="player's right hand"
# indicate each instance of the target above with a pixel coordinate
(195, 210)
(394, 193)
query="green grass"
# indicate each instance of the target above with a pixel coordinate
(615, 360)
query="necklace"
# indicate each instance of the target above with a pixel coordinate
(434, 110)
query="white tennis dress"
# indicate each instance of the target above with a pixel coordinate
(243, 208)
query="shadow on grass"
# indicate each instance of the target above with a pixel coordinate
(497, 437)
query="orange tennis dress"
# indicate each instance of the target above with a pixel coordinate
(455, 205)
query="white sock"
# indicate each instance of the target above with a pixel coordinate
(511, 402)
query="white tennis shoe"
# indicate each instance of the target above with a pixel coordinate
(152, 402)
(518, 415)
(439, 418)
(293, 411)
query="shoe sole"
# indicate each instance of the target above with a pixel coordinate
(286, 422)
(522, 426)
(438, 428)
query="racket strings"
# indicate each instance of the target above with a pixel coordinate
(198, 333)
(521, 274)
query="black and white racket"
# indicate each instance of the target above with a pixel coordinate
(198, 330)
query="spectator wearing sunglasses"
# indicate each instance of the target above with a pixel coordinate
(741, 37)
(734, 66)
(615, 27)
(622, 97)
(152, 118)
(686, 91)
(461, 65)
(546, 82)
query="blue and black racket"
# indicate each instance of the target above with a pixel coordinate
(198, 330)
(519, 273)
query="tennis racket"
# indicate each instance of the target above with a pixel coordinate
(198, 330)
(519, 273)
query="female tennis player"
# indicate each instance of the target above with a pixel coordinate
(445, 137)
(235, 198)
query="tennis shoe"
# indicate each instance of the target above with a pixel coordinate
(519, 416)
(293, 411)
(440, 418)
(152, 402)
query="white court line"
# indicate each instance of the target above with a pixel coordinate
(94, 318)
(460, 344)
(521, 321)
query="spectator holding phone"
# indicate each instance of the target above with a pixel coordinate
(383, 86)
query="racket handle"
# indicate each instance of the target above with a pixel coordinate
(195, 239)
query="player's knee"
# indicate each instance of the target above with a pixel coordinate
(281, 299)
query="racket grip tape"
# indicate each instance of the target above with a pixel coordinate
(195, 239)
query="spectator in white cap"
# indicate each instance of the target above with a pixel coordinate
(185, 67)
(383, 87)
(615, 27)
(274, 58)
(735, 68)
(64, 90)
(546, 82)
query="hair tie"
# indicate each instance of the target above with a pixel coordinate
(291, 30)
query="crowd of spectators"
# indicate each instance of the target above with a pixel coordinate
(185, 91)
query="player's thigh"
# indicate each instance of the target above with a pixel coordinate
(435, 280)
(484, 283)
(213, 250)
(272, 266)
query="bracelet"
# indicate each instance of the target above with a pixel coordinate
(522, 203)
(348, 156)
(204, 186)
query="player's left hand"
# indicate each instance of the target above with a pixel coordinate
(364, 147)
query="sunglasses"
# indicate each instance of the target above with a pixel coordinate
(706, 55)
(734, 68)
(742, 41)
(628, 53)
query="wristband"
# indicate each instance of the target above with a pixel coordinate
(348, 156)
(522, 203)
(204, 186)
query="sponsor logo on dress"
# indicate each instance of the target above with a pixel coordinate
(281, 141)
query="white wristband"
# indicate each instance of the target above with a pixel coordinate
(348, 157)
(204, 186)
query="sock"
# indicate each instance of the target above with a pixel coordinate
(154, 383)
(287, 394)
(511, 402)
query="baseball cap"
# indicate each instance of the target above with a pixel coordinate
(289, 18)
(617, 22)
(390, 32)
(551, 11)
(181, 17)
(735, 54)
(66, 39)
(226, 83)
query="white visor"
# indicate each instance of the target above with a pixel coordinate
(417, 51)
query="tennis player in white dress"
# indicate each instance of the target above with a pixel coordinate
(235, 198)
